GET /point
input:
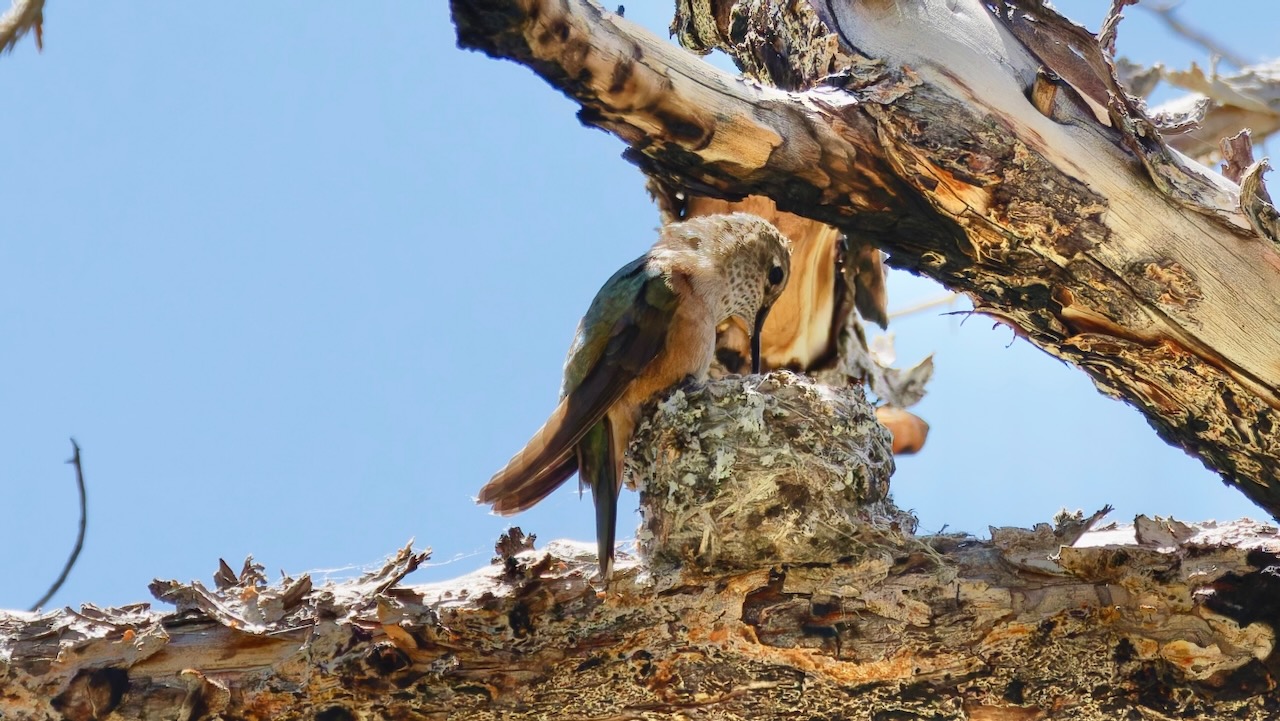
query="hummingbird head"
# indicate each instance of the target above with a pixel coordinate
(745, 263)
(757, 274)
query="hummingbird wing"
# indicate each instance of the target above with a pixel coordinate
(625, 328)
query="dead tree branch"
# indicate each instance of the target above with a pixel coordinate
(780, 582)
(84, 517)
(1168, 14)
(21, 17)
(1158, 620)
(1249, 98)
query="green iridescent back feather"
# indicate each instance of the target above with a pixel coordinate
(616, 301)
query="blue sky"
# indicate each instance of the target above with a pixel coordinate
(299, 281)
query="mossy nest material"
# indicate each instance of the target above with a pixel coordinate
(746, 471)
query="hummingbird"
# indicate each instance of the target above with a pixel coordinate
(651, 326)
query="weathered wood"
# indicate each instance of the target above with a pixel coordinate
(1249, 98)
(1178, 622)
(22, 17)
(781, 583)
(1079, 228)
(790, 50)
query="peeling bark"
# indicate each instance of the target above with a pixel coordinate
(780, 582)
(1164, 620)
(1074, 223)
(1249, 99)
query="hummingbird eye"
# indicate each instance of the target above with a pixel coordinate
(775, 275)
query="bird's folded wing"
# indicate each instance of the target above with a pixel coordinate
(636, 336)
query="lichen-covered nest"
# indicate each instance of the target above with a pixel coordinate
(745, 471)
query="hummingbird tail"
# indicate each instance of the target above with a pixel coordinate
(546, 461)
(598, 469)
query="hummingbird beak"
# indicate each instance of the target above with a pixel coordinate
(755, 338)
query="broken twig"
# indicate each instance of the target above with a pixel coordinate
(75, 552)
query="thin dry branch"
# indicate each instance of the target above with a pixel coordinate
(1070, 220)
(946, 299)
(1249, 98)
(84, 517)
(1168, 15)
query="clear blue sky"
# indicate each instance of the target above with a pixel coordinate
(300, 277)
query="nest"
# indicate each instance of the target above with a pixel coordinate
(747, 471)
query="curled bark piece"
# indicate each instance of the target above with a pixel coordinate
(1256, 203)
(909, 430)
(1237, 155)
(1248, 98)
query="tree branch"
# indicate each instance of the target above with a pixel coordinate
(1168, 14)
(1073, 223)
(21, 17)
(1249, 99)
(779, 581)
(75, 551)
(1158, 618)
